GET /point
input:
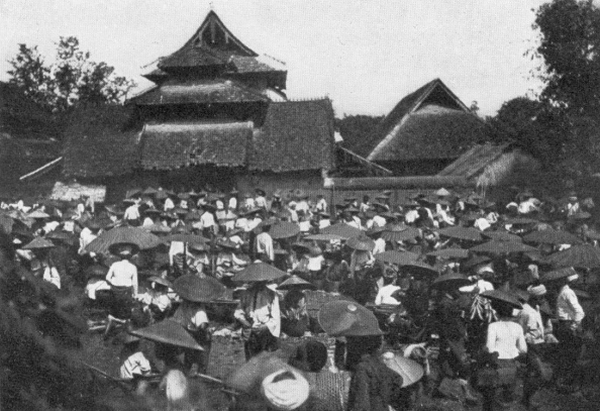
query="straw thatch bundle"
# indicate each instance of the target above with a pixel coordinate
(510, 168)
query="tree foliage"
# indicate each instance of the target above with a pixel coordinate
(356, 127)
(72, 80)
(569, 45)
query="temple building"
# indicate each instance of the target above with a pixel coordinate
(217, 116)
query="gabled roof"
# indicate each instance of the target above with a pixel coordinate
(434, 92)
(296, 135)
(211, 44)
(474, 160)
(198, 92)
(174, 145)
(433, 132)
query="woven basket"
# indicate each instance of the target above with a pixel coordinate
(226, 355)
(328, 391)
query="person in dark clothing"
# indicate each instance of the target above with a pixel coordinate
(374, 386)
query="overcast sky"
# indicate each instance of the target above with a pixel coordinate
(364, 55)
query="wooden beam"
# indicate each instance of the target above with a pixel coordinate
(391, 183)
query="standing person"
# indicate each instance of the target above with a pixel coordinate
(533, 327)
(192, 316)
(259, 314)
(132, 213)
(123, 279)
(264, 245)
(504, 337)
(260, 200)
(232, 204)
(321, 205)
(374, 386)
(568, 331)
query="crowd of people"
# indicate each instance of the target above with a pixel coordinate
(474, 295)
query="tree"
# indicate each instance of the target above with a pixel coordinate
(73, 80)
(569, 43)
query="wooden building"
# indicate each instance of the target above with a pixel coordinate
(217, 116)
(426, 131)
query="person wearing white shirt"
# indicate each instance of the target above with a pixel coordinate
(506, 338)
(379, 246)
(233, 203)
(302, 205)
(384, 295)
(411, 216)
(379, 221)
(132, 214)
(259, 313)
(321, 205)
(568, 331)
(169, 204)
(135, 362)
(264, 247)
(51, 275)
(123, 278)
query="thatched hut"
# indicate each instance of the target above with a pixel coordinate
(494, 168)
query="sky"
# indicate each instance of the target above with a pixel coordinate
(364, 55)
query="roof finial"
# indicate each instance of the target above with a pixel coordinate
(212, 6)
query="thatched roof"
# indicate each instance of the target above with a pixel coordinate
(492, 165)
(432, 132)
(98, 144)
(199, 92)
(434, 92)
(474, 161)
(296, 135)
(174, 145)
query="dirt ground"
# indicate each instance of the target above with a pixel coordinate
(104, 355)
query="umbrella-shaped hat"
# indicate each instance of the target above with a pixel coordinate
(551, 237)
(200, 290)
(452, 280)
(583, 256)
(295, 282)
(502, 236)
(132, 192)
(521, 221)
(397, 257)
(361, 243)
(157, 229)
(149, 191)
(558, 274)
(580, 215)
(324, 237)
(37, 214)
(461, 233)
(450, 253)
(410, 371)
(442, 192)
(502, 247)
(259, 272)
(399, 232)
(284, 229)
(348, 318)
(343, 230)
(419, 269)
(187, 238)
(123, 235)
(38, 243)
(502, 297)
(168, 332)
(63, 236)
